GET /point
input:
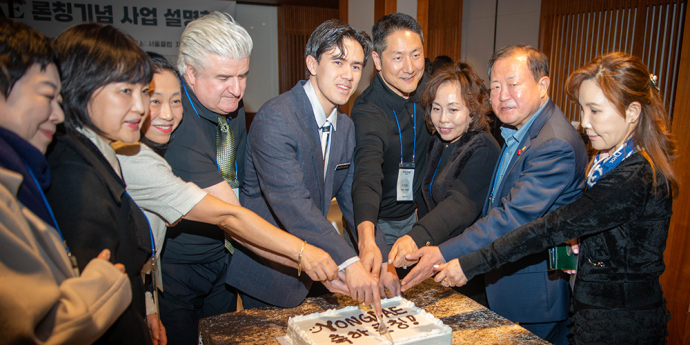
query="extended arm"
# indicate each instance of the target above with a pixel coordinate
(461, 206)
(224, 192)
(615, 199)
(263, 238)
(462, 203)
(549, 170)
(156, 189)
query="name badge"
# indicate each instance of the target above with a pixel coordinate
(405, 185)
(342, 166)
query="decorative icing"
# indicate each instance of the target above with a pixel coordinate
(350, 325)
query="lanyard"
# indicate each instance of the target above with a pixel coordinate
(50, 210)
(154, 269)
(197, 115)
(72, 259)
(153, 243)
(414, 150)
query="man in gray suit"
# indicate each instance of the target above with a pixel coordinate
(299, 153)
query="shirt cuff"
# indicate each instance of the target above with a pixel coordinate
(348, 262)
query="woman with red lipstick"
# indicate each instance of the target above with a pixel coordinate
(105, 88)
(165, 198)
(462, 154)
(622, 219)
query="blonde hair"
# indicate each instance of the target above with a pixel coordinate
(216, 33)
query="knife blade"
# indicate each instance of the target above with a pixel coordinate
(382, 329)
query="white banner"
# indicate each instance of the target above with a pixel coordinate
(155, 25)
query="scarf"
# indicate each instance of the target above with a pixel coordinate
(18, 155)
(602, 165)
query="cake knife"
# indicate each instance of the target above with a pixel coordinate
(383, 329)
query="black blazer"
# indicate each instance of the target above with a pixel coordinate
(94, 213)
(457, 195)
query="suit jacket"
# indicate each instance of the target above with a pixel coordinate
(94, 212)
(547, 174)
(455, 199)
(284, 184)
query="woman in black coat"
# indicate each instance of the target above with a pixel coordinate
(105, 78)
(462, 154)
(622, 219)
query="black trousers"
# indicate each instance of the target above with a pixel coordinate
(193, 291)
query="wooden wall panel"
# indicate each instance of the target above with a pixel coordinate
(444, 29)
(573, 32)
(384, 7)
(423, 20)
(296, 24)
(676, 280)
(343, 10)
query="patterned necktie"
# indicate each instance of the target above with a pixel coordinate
(225, 152)
(225, 157)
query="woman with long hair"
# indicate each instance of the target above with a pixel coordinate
(622, 219)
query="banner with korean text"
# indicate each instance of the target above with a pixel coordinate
(155, 25)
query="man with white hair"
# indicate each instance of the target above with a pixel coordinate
(207, 149)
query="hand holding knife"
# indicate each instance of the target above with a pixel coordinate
(381, 319)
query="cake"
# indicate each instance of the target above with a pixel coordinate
(350, 325)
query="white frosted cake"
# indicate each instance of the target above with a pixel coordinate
(350, 325)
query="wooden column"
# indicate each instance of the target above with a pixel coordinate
(343, 10)
(384, 7)
(295, 25)
(423, 20)
(676, 280)
(444, 29)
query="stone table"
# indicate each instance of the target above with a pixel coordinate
(471, 322)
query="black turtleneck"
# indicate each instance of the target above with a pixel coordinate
(377, 154)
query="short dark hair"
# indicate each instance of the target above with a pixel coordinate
(473, 92)
(20, 48)
(536, 61)
(390, 23)
(160, 64)
(440, 62)
(330, 34)
(91, 56)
